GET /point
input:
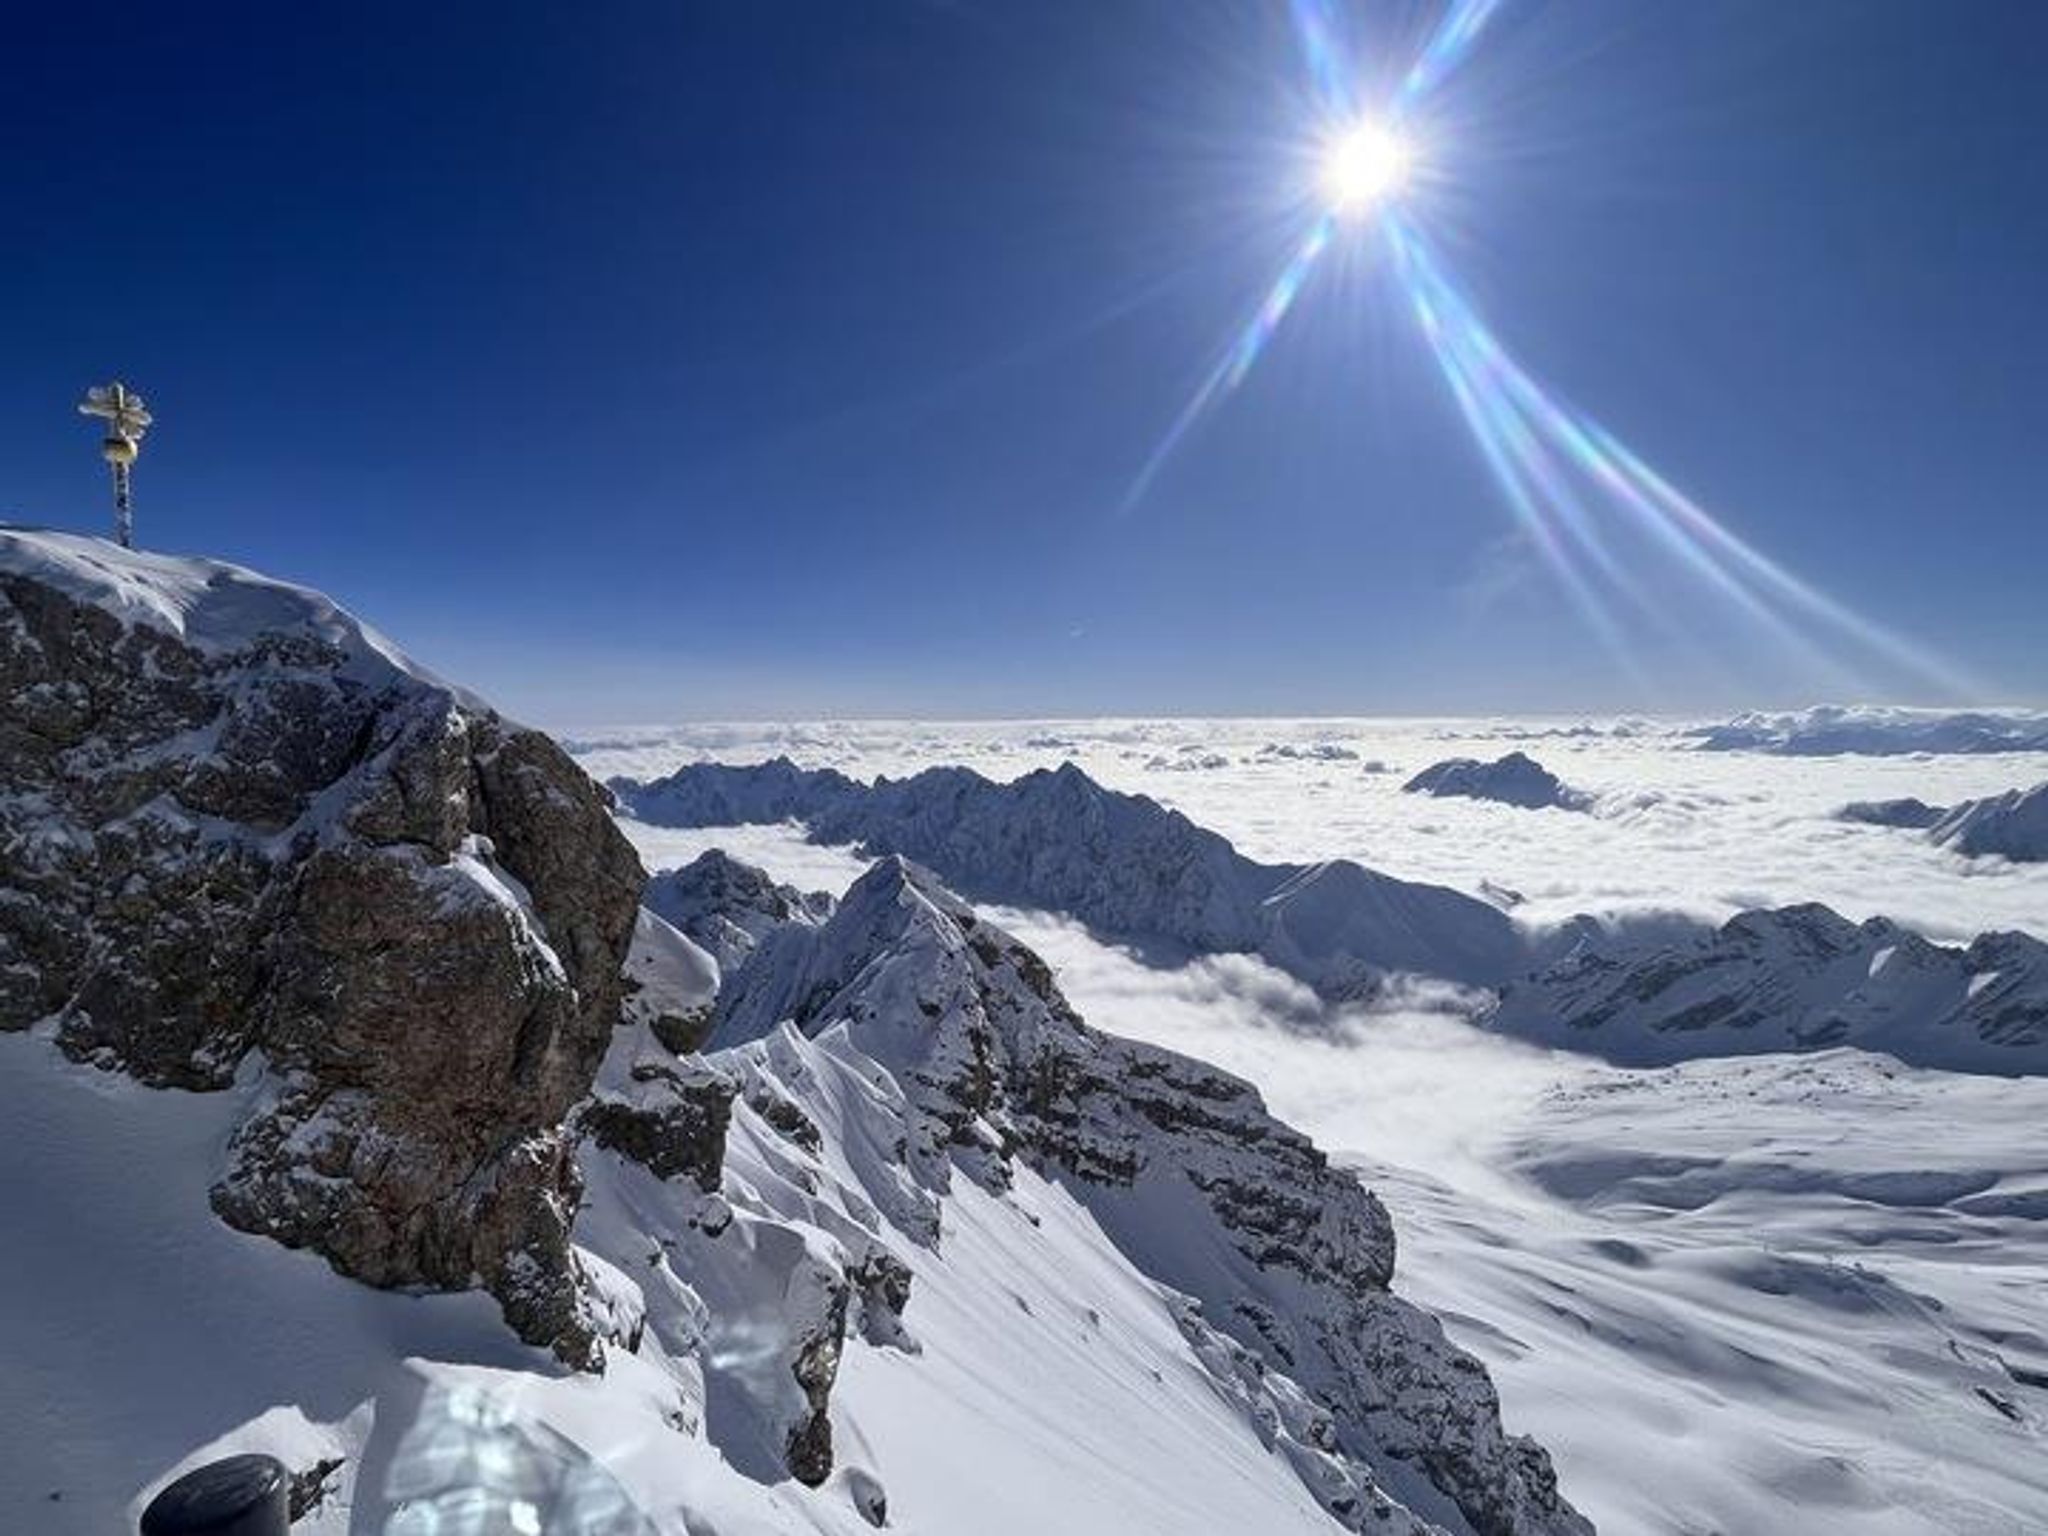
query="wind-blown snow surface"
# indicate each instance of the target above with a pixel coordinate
(1767, 1294)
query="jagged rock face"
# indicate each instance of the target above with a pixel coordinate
(727, 907)
(672, 1120)
(235, 822)
(1121, 863)
(1796, 978)
(1516, 779)
(1181, 1165)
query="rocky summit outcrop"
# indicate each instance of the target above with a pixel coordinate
(1123, 864)
(239, 833)
(1283, 1261)
(1516, 779)
(1792, 979)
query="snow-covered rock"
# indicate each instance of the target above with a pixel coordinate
(238, 827)
(1516, 779)
(1874, 730)
(1792, 979)
(908, 1054)
(1123, 864)
(2013, 826)
(726, 906)
(671, 983)
(1907, 812)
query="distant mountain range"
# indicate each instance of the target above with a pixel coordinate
(1124, 864)
(1798, 978)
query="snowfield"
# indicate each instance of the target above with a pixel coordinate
(1772, 1293)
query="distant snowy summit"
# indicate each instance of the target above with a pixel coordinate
(1906, 812)
(2012, 826)
(727, 907)
(1793, 979)
(1516, 779)
(1876, 731)
(1124, 864)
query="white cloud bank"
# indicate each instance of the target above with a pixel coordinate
(1673, 827)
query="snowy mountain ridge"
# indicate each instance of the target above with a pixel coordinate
(1875, 730)
(1516, 779)
(1794, 979)
(1283, 1262)
(1768, 980)
(1122, 863)
(835, 1277)
(2012, 825)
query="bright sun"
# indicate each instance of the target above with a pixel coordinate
(1364, 165)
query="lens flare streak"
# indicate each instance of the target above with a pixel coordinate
(1230, 371)
(1528, 437)
(1569, 482)
(1456, 31)
(1323, 50)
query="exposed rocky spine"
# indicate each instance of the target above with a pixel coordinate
(995, 1068)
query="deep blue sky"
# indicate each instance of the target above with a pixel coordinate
(634, 362)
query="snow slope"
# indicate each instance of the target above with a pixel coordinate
(1759, 1294)
(143, 1336)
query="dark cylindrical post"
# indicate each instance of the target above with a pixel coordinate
(241, 1496)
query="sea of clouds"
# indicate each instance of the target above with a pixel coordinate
(1798, 1286)
(1672, 827)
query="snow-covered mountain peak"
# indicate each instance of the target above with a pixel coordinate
(216, 609)
(1516, 779)
(1287, 1259)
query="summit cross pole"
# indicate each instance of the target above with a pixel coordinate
(127, 418)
